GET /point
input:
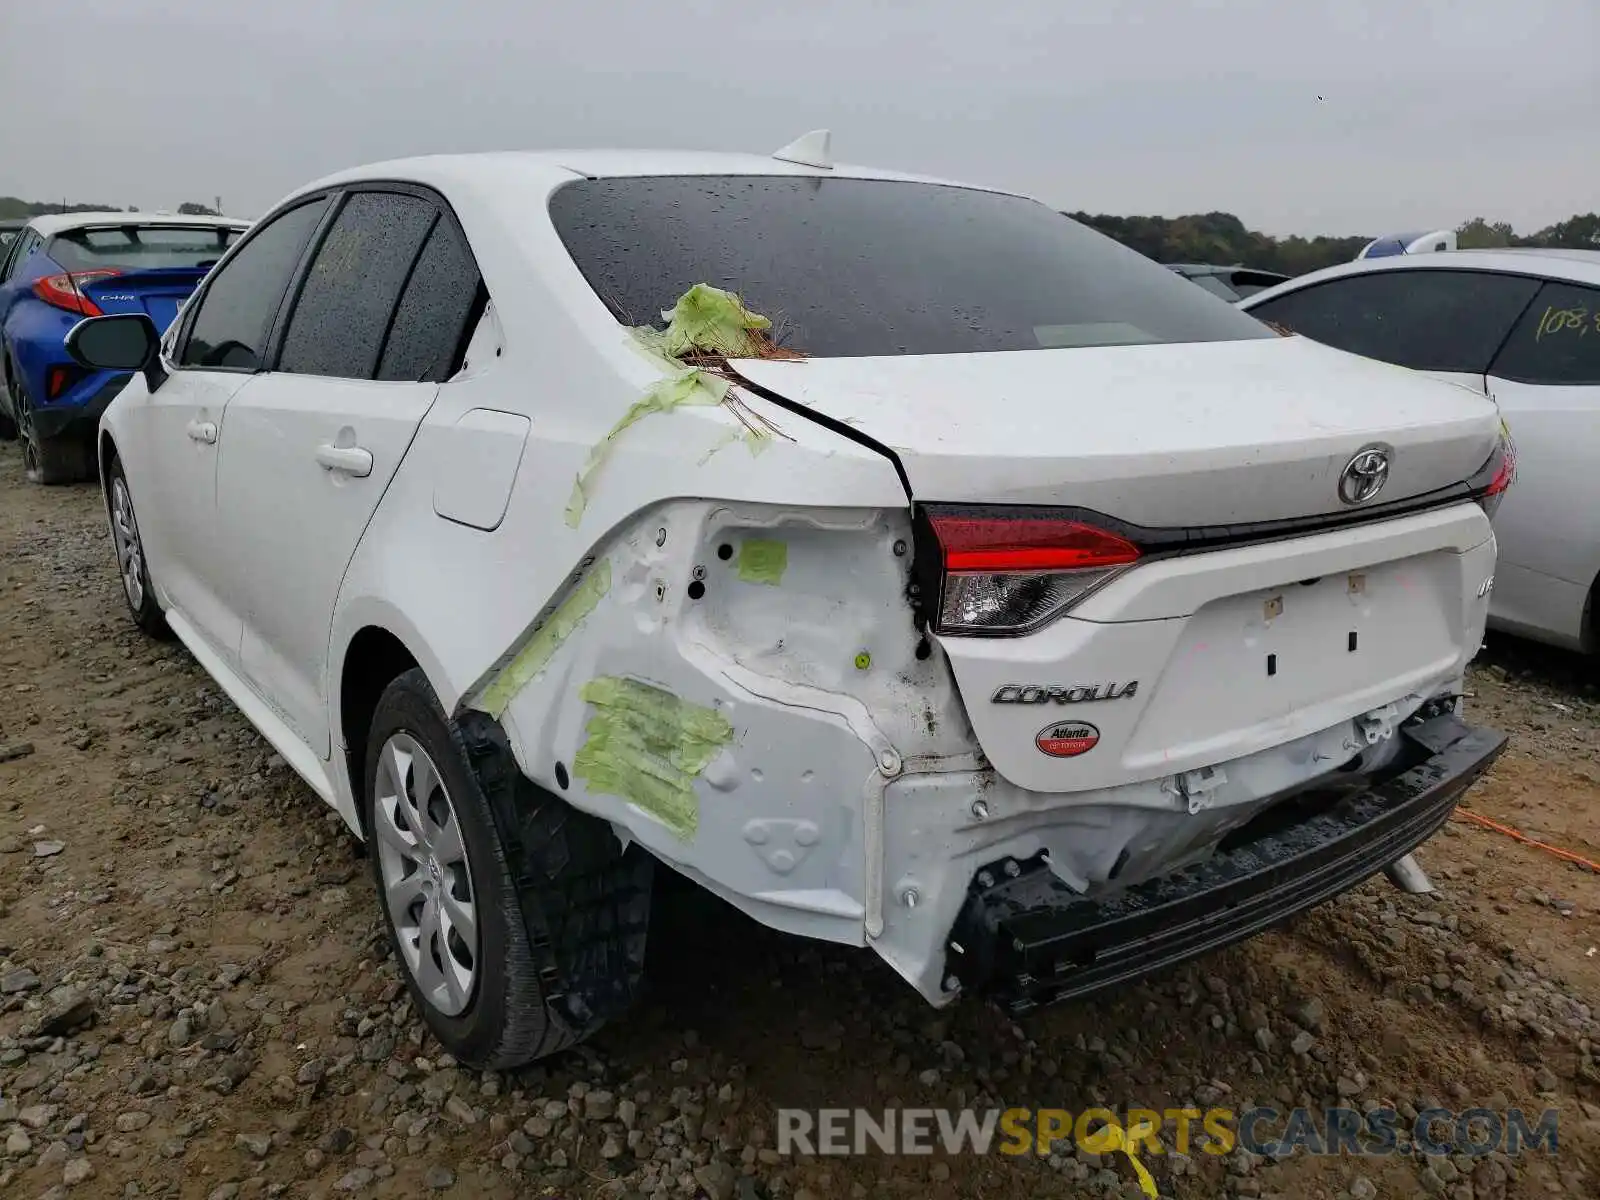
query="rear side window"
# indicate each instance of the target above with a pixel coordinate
(426, 335)
(849, 267)
(1248, 283)
(19, 250)
(1429, 320)
(1558, 339)
(354, 283)
(241, 298)
(141, 247)
(1215, 286)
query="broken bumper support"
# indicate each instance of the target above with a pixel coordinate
(1027, 939)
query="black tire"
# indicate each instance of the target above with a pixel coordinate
(146, 610)
(50, 461)
(8, 419)
(553, 896)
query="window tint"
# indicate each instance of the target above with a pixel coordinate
(353, 285)
(432, 316)
(1431, 320)
(1558, 339)
(861, 266)
(241, 299)
(141, 247)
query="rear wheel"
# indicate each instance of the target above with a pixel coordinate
(518, 923)
(131, 563)
(8, 421)
(48, 461)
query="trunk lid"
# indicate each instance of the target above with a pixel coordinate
(158, 293)
(1207, 433)
(1185, 662)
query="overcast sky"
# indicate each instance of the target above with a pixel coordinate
(1433, 111)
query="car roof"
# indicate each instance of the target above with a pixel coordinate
(53, 223)
(480, 172)
(1577, 266)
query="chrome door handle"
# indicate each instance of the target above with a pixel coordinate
(348, 460)
(202, 431)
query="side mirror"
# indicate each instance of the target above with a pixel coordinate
(125, 342)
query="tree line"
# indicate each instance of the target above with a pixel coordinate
(1220, 237)
(13, 209)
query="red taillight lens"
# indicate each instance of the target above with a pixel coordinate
(65, 291)
(57, 380)
(1006, 576)
(1027, 544)
(1497, 475)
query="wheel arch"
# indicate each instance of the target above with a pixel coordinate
(373, 659)
(105, 451)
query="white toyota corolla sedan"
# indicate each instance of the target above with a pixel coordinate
(902, 561)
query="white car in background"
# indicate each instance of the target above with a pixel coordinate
(1521, 326)
(1004, 602)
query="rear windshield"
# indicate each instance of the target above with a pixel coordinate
(133, 247)
(849, 267)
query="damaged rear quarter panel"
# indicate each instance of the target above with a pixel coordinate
(725, 723)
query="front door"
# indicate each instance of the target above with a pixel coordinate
(312, 445)
(178, 429)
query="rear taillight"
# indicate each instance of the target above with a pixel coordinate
(1495, 477)
(59, 378)
(1002, 576)
(65, 291)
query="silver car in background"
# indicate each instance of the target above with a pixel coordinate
(1523, 326)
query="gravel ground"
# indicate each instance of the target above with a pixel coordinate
(196, 998)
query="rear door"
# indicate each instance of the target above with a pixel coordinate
(310, 446)
(1445, 323)
(1546, 380)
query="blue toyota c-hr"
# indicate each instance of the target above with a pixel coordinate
(62, 268)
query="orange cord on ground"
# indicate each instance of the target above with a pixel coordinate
(1477, 818)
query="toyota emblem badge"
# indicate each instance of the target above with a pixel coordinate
(1364, 475)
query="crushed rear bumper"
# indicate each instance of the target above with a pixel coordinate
(1025, 938)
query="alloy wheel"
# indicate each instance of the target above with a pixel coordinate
(130, 552)
(427, 880)
(24, 414)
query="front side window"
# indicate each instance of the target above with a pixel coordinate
(1557, 341)
(1429, 320)
(848, 267)
(235, 314)
(350, 292)
(141, 247)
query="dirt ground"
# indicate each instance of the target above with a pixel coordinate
(196, 999)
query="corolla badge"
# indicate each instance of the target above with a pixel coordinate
(1364, 475)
